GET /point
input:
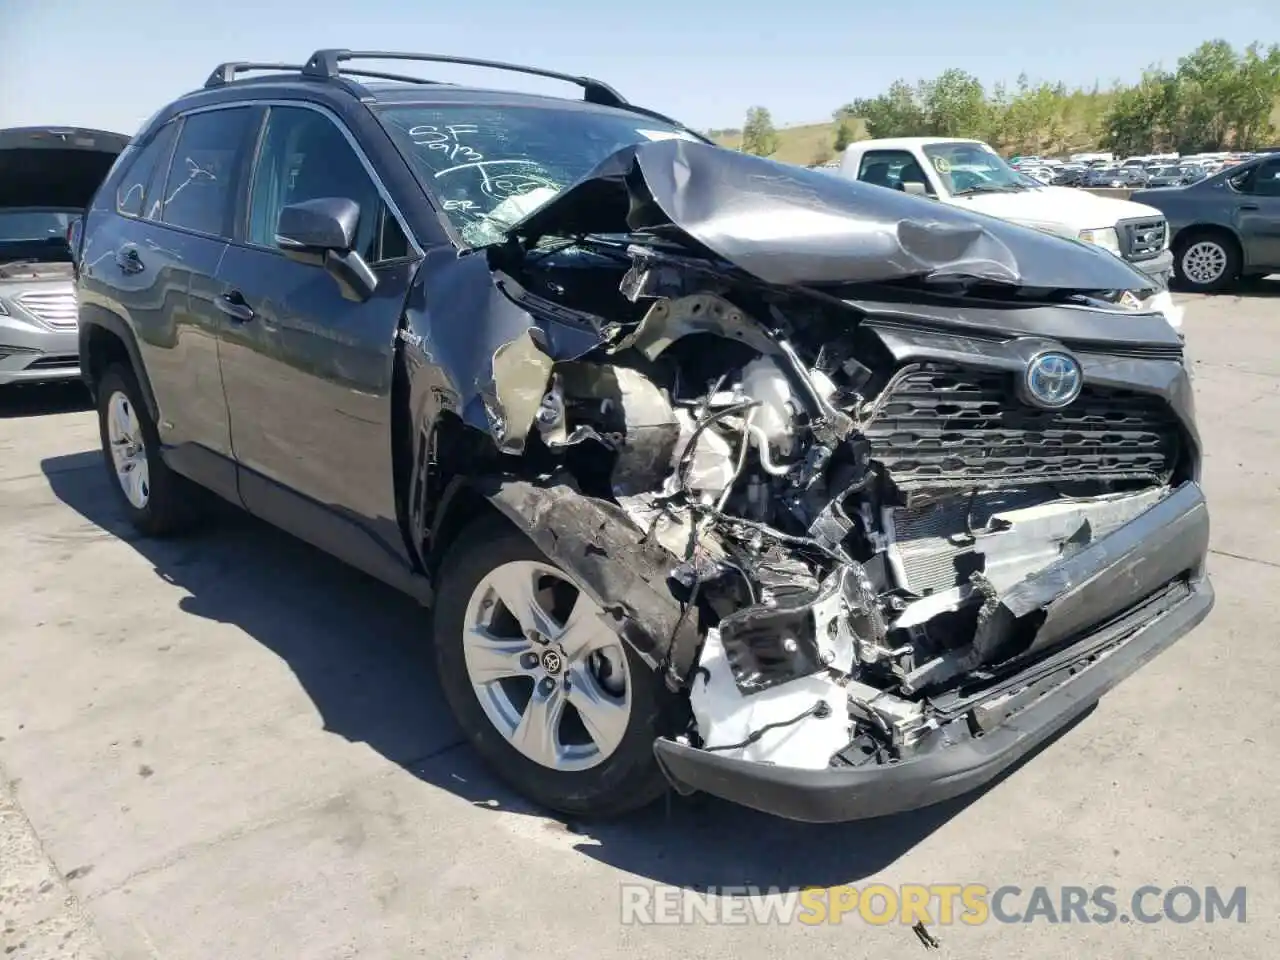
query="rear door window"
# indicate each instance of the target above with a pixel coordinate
(145, 175)
(200, 191)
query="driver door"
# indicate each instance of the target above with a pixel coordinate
(1258, 216)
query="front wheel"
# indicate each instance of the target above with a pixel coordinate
(1207, 262)
(552, 699)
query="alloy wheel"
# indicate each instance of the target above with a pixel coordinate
(128, 451)
(1204, 262)
(548, 671)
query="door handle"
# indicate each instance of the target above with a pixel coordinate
(128, 261)
(234, 306)
(1248, 206)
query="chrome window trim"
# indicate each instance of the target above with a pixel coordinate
(333, 118)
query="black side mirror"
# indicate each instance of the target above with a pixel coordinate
(323, 232)
(316, 226)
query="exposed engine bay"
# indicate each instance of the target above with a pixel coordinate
(841, 525)
(859, 477)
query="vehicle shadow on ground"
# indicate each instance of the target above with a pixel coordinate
(361, 652)
(43, 399)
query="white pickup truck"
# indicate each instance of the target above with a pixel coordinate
(971, 174)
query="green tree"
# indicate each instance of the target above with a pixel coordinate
(1253, 96)
(844, 136)
(1033, 118)
(1217, 97)
(1141, 118)
(895, 113)
(955, 105)
(758, 134)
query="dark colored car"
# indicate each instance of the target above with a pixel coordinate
(1134, 176)
(1224, 227)
(47, 177)
(1070, 176)
(1166, 176)
(719, 473)
(1107, 177)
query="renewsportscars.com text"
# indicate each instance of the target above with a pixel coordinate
(931, 904)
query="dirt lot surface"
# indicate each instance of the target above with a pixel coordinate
(230, 747)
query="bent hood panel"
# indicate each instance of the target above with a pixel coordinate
(788, 225)
(55, 166)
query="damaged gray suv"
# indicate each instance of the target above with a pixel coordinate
(719, 474)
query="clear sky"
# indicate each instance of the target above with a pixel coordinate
(110, 64)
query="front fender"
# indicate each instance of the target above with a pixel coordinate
(611, 559)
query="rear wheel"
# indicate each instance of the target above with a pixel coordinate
(557, 704)
(1207, 261)
(157, 501)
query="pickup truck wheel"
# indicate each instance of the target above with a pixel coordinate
(552, 699)
(1206, 262)
(157, 501)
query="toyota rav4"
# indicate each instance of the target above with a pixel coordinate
(719, 474)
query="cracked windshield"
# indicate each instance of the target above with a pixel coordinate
(492, 166)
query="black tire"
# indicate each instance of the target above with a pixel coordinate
(626, 780)
(1229, 251)
(174, 504)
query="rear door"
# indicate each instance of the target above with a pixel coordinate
(307, 373)
(158, 258)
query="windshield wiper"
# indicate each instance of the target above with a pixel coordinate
(990, 188)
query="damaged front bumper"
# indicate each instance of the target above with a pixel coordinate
(1123, 599)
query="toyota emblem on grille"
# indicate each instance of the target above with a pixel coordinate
(1053, 379)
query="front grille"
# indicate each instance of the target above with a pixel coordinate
(54, 308)
(1142, 239)
(951, 426)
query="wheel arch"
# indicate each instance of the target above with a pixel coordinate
(105, 338)
(624, 571)
(1187, 233)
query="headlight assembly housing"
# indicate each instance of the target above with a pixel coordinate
(1105, 237)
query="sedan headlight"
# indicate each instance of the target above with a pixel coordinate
(1105, 237)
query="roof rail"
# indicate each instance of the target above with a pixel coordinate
(224, 73)
(327, 64)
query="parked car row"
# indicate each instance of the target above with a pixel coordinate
(1103, 170)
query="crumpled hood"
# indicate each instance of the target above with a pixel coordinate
(787, 225)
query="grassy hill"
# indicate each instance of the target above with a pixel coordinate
(805, 144)
(802, 144)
